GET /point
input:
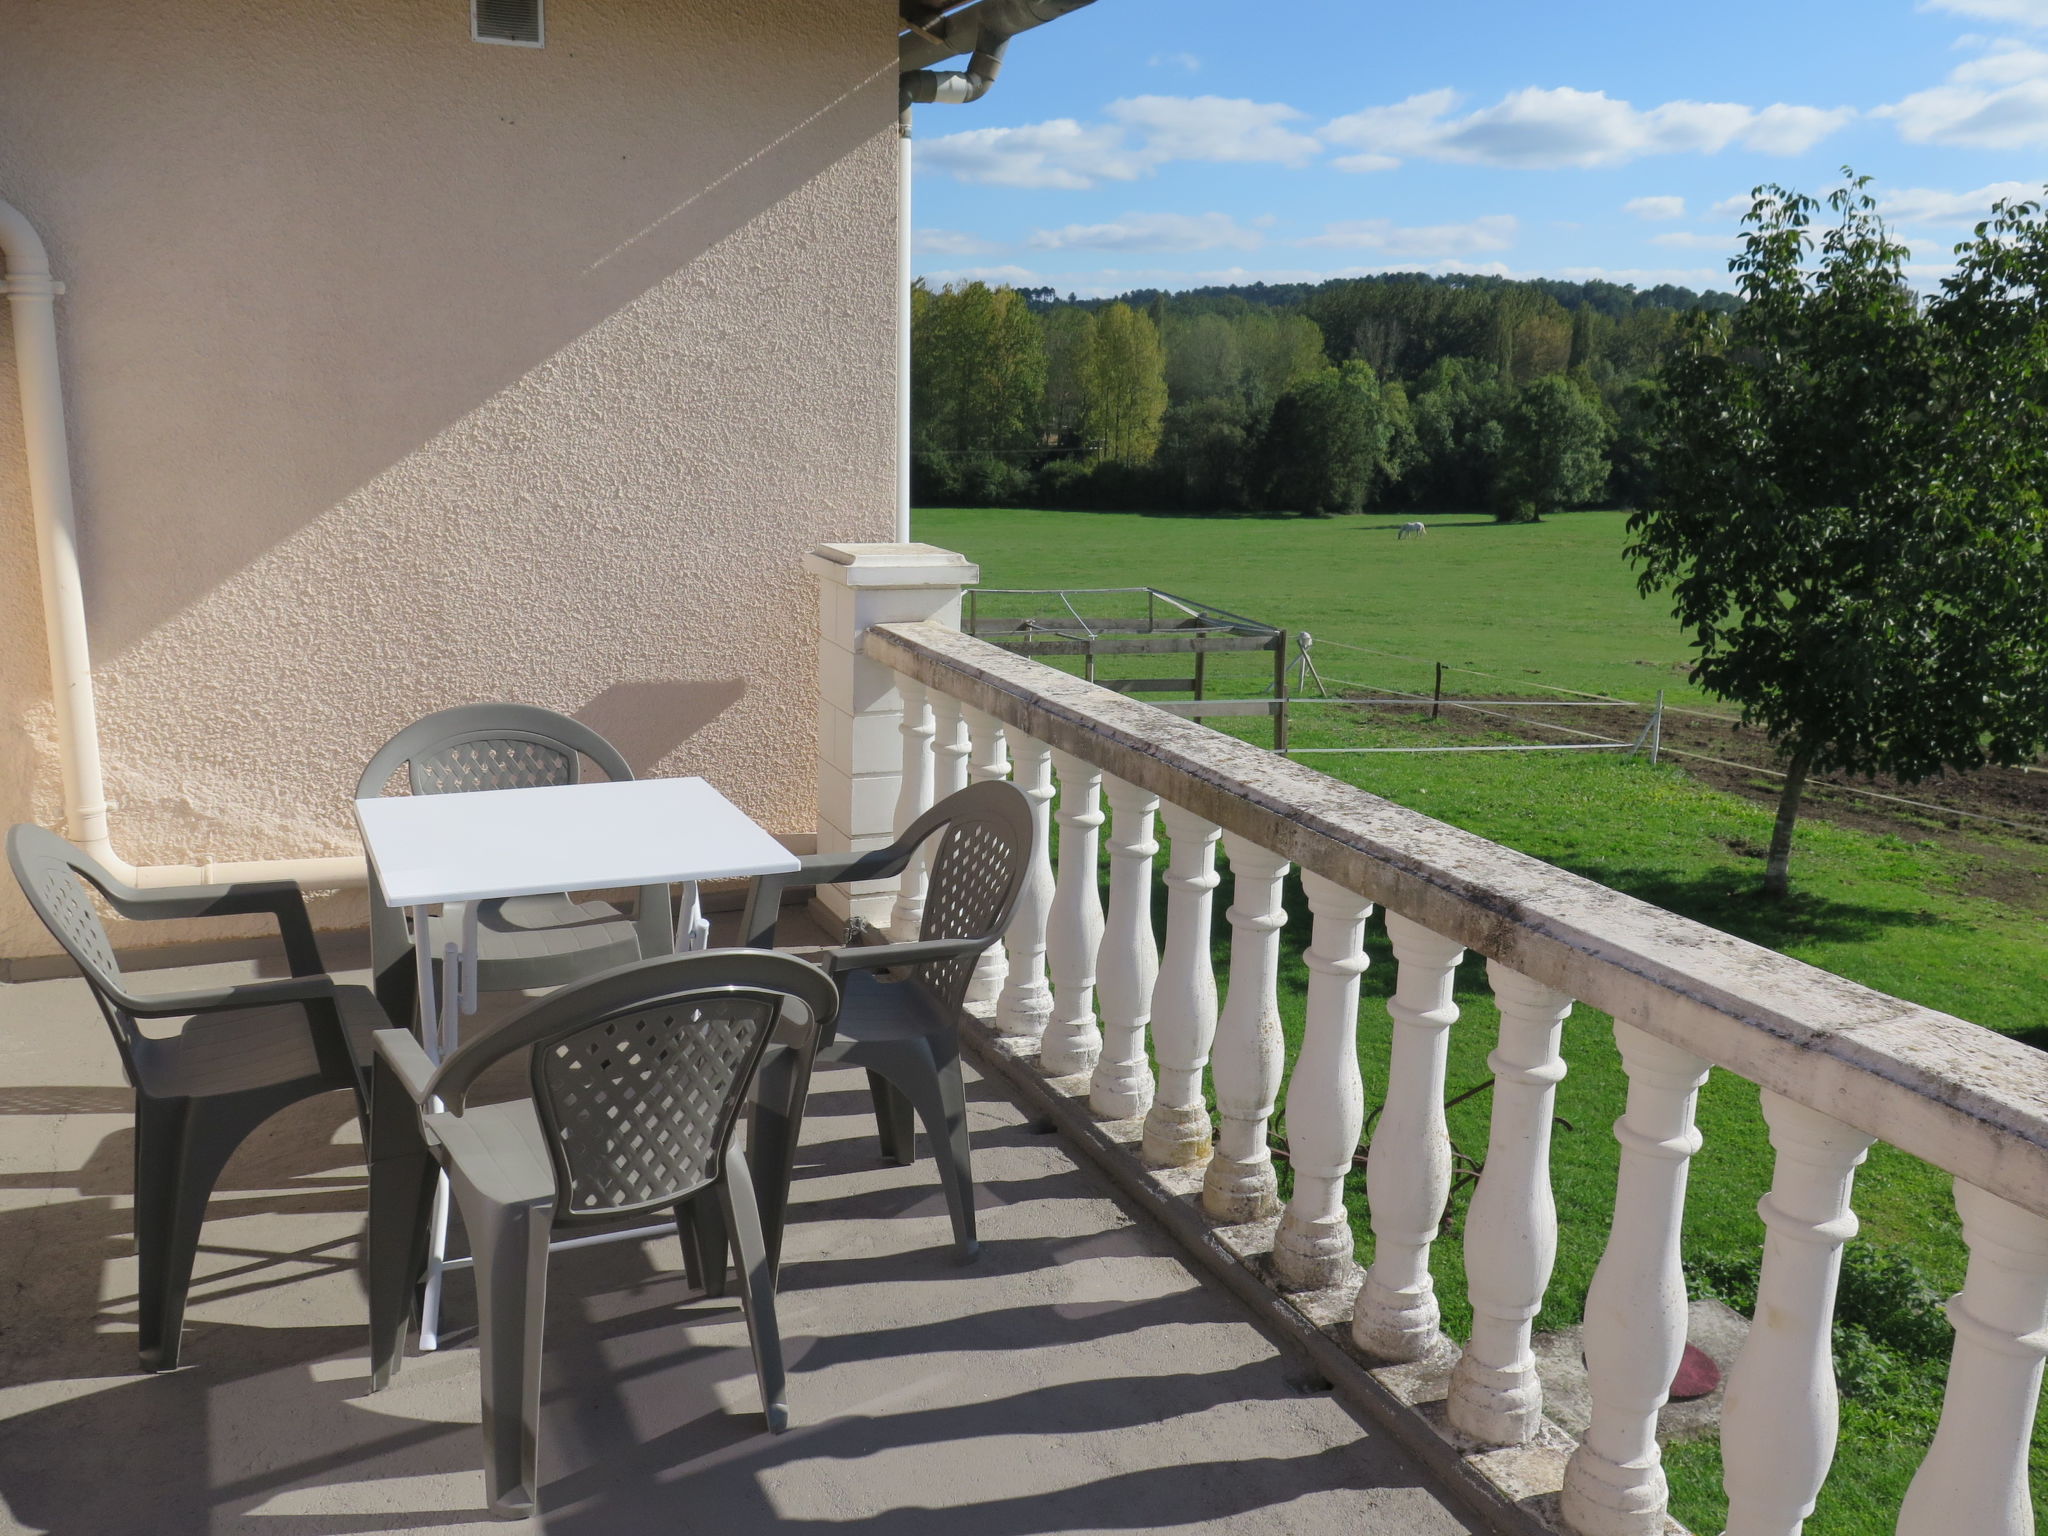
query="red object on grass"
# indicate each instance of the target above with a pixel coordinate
(1697, 1375)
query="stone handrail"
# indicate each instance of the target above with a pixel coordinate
(1130, 1028)
(1950, 1092)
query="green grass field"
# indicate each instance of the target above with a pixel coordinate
(1555, 604)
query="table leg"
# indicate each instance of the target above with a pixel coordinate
(693, 930)
(441, 1029)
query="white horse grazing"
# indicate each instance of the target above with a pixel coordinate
(1415, 528)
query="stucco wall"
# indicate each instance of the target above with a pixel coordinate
(404, 371)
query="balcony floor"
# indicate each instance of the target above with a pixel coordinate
(1079, 1377)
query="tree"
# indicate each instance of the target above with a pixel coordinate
(1853, 526)
(978, 369)
(1068, 332)
(1554, 453)
(1124, 377)
(1325, 443)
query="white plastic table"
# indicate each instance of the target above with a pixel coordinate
(454, 851)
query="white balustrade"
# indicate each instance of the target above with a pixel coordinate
(1177, 1129)
(1779, 1418)
(1408, 1171)
(1511, 1226)
(913, 799)
(1072, 1043)
(1635, 1309)
(987, 762)
(1121, 1086)
(1325, 1096)
(1975, 1476)
(1250, 1051)
(1025, 1004)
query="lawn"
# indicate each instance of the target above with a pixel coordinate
(1555, 604)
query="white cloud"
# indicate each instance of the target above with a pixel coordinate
(1215, 128)
(1494, 232)
(1153, 232)
(1057, 153)
(995, 277)
(1145, 132)
(1536, 128)
(1733, 207)
(1186, 61)
(1655, 207)
(1998, 100)
(950, 242)
(1926, 205)
(2027, 13)
(1693, 240)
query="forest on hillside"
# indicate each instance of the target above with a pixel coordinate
(1404, 391)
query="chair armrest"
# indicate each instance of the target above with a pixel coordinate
(248, 994)
(282, 899)
(885, 957)
(493, 1159)
(407, 1059)
(764, 892)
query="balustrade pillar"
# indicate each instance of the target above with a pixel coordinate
(1025, 1005)
(1072, 1044)
(1779, 1419)
(1408, 1171)
(1250, 1051)
(913, 799)
(1975, 1476)
(1635, 1309)
(1325, 1097)
(987, 762)
(1511, 1227)
(1121, 1087)
(1177, 1129)
(949, 745)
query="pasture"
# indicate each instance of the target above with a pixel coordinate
(1952, 919)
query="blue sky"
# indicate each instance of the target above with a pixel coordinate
(1171, 143)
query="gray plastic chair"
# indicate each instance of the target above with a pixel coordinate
(243, 1053)
(522, 941)
(903, 1027)
(635, 1081)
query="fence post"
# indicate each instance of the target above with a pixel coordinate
(1657, 728)
(1436, 704)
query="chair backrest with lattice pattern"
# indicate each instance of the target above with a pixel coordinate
(638, 1074)
(976, 872)
(59, 881)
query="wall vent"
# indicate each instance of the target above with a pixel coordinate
(517, 22)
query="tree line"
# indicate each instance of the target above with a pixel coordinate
(1397, 392)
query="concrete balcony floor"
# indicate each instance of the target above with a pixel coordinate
(1078, 1378)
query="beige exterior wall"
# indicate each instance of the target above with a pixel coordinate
(405, 371)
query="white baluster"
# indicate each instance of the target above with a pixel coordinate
(1177, 1129)
(913, 799)
(1250, 1049)
(1408, 1171)
(1635, 1308)
(1025, 1005)
(1072, 1044)
(1129, 962)
(949, 745)
(1975, 1476)
(987, 762)
(1511, 1226)
(1325, 1097)
(1779, 1419)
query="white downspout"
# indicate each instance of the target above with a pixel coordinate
(903, 325)
(31, 295)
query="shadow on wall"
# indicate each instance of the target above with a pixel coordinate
(648, 720)
(352, 258)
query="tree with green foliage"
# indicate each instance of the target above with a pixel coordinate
(978, 369)
(1325, 443)
(1554, 451)
(1852, 525)
(1123, 376)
